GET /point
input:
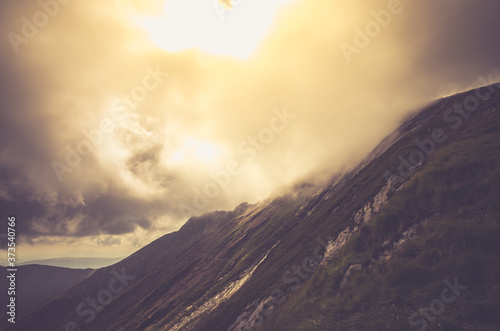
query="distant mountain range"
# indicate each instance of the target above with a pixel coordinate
(76, 262)
(408, 240)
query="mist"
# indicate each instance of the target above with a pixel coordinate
(107, 140)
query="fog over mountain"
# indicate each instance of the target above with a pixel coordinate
(152, 160)
(406, 240)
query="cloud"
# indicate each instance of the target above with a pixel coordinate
(226, 3)
(218, 27)
(63, 84)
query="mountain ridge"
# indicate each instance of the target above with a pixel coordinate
(245, 269)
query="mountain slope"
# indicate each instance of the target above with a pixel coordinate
(387, 236)
(449, 198)
(451, 206)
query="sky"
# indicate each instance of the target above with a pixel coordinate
(119, 120)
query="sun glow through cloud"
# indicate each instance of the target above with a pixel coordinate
(195, 150)
(211, 26)
(226, 69)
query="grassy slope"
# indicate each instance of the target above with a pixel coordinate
(459, 189)
(459, 182)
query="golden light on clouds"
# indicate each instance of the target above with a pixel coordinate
(202, 81)
(195, 151)
(231, 28)
(226, 3)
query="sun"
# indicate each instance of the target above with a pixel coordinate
(227, 4)
(231, 28)
(205, 151)
(195, 150)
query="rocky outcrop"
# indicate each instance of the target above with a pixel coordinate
(216, 300)
(348, 274)
(362, 216)
(388, 249)
(334, 247)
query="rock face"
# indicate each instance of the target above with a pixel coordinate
(388, 249)
(219, 298)
(360, 217)
(335, 246)
(348, 274)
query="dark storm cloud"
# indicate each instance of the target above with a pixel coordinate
(29, 144)
(113, 214)
(96, 214)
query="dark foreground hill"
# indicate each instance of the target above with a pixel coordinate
(408, 240)
(40, 282)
